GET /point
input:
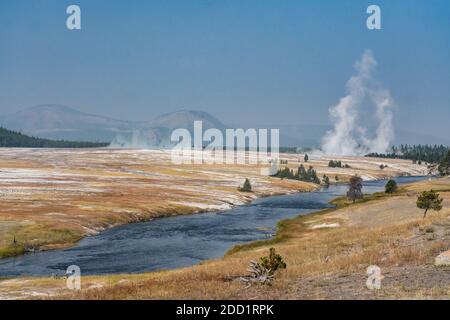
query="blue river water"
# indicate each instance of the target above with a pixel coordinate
(180, 241)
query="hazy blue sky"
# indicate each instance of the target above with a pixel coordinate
(243, 61)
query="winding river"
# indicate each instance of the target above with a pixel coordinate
(181, 241)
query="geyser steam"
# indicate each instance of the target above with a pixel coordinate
(347, 137)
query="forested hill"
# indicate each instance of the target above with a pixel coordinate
(10, 138)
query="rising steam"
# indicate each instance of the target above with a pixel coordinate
(347, 137)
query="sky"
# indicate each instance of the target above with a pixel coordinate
(247, 61)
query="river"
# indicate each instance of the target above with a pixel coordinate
(173, 242)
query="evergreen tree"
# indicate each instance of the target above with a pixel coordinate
(247, 187)
(391, 186)
(309, 175)
(326, 180)
(312, 175)
(335, 164)
(302, 173)
(429, 200)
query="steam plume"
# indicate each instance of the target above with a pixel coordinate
(347, 137)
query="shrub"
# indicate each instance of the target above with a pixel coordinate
(247, 187)
(326, 180)
(335, 164)
(273, 261)
(391, 186)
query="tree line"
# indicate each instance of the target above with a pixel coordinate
(444, 165)
(418, 153)
(309, 175)
(13, 139)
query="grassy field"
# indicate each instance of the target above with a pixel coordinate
(327, 255)
(52, 198)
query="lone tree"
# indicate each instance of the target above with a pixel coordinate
(391, 186)
(247, 187)
(355, 190)
(306, 157)
(429, 200)
(326, 180)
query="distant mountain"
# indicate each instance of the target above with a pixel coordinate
(157, 132)
(14, 139)
(185, 119)
(60, 122)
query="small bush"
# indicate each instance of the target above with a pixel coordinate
(335, 164)
(391, 186)
(247, 187)
(273, 261)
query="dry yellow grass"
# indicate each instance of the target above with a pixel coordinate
(52, 198)
(321, 263)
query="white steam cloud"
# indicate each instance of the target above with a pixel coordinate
(347, 137)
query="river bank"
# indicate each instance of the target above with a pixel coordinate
(387, 231)
(322, 262)
(168, 243)
(51, 199)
